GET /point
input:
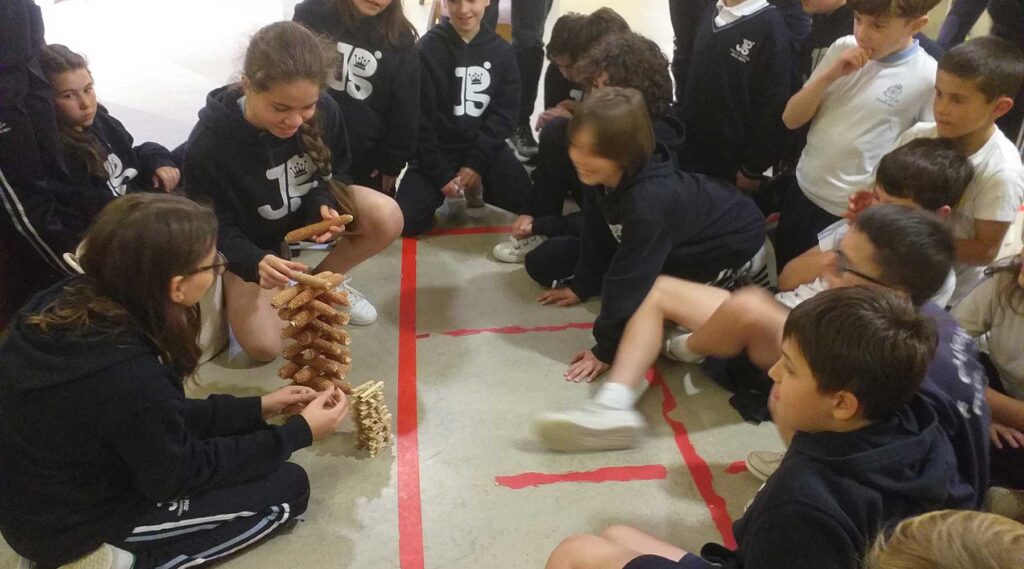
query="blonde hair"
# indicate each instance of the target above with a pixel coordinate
(950, 539)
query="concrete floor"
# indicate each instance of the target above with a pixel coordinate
(467, 356)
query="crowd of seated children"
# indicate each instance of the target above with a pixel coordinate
(867, 449)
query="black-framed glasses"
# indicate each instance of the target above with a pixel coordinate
(218, 267)
(843, 266)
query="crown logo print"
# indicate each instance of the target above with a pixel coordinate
(298, 169)
(476, 78)
(360, 62)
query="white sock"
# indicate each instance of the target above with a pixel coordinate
(616, 395)
(681, 351)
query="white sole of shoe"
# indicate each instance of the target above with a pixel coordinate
(567, 436)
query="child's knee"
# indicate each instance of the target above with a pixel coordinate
(264, 350)
(293, 479)
(617, 533)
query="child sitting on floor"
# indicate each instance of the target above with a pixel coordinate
(642, 218)
(102, 159)
(867, 450)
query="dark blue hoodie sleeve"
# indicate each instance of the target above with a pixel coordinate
(500, 118)
(637, 263)
(797, 537)
(206, 185)
(223, 415)
(403, 113)
(597, 246)
(168, 461)
(769, 135)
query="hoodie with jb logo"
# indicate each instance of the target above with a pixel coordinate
(260, 186)
(375, 84)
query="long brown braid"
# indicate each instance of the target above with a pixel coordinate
(284, 52)
(81, 145)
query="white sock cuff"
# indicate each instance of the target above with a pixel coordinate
(616, 395)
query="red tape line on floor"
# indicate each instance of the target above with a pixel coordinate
(514, 330)
(737, 467)
(469, 230)
(410, 513)
(699, 469)
(608, 474)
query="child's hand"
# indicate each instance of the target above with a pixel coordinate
(324, 413)
(858, 202)
(559, 297)
(585, 367)
(850, 61)
(747, 185)
(292, 398)
(166, 178)
(332, 233)
(469, 178)
(522, 227)
(275, 272)
(1000, 433)
(550, 114)
(454, 188)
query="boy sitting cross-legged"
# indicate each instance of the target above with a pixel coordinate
(868, 450)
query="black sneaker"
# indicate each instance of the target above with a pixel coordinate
(524, 143)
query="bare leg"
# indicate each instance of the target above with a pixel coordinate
(686, 303)
(750, 320)
(379, 224)
(594, 552)
(254, 322)
(632, 538)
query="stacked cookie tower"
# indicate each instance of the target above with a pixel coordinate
(372, 417)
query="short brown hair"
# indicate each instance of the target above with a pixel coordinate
(909, 9)
(869, 341)
(950, 539)
(621, 125)
(995, 65)
(630, 60)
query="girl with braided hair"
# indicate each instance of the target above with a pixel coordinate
(271, 154)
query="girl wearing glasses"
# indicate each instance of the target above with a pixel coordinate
(101, 453)
(271, 154)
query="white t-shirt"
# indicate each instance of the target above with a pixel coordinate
(995, 193)
(983, 312)
(859, 119)
(828, 240)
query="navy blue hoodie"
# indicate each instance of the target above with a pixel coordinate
(129, 168)
(834, 492)
(96, 431)
(376, 86)
(469, 101)
(261, 186)
(663, 221)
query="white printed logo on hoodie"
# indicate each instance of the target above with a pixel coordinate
(475, 80)
(295, 179)
(357, 66)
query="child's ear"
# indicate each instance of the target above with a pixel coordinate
(845, 406)
(919, 24)
(1002, 106)
(944, 212)
(175, 290)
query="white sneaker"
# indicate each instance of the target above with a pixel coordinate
(1005, 502)
(763, 463)
(675, 347)
(515, 250)
(590, 427)
(105, 557)
(361, 312)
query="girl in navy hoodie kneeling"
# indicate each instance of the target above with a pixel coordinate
(641, 218)
(101, 454)
(375, 83)
(271, 154)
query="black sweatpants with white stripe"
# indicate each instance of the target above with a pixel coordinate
(198, 529)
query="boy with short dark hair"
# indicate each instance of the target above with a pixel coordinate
(868, 450)
(469, 102)
(868, 89)
(974, 86)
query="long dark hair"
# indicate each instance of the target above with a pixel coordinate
(157, 237)
(391, 24)
(284, 52)
(80, 144)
